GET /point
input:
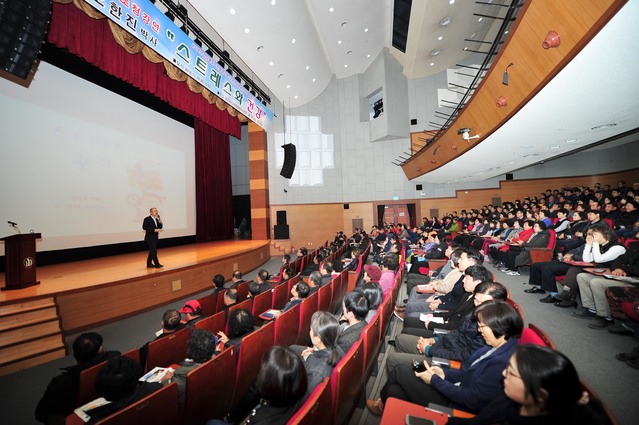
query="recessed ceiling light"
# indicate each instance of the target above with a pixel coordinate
(555, 147)
(435, 52)
(432, 63)
(288, 86)
(246, 30)
(602, 126)
(313, 79)
(530, 154)
(480, 19)
(331, 9)
(368, 55)
(571, 141)
(273, 2)
(308, 67)
(339, 41)
(445, 21)
(451, 1)
(466, 48)
(293, 41)
(365, 29)
(345, 66)
(232, 11)
(260, 48)
(440, 38)
(295, 96)
(271, 63)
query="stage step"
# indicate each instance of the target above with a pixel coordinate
(30, 334)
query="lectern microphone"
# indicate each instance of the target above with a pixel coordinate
(12, 223)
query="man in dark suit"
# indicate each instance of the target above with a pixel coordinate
(152, 226)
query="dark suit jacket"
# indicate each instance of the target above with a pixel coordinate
(149, 227)
(350, 335)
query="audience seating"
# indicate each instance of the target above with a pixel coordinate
(541, 335)
(220, 301)
(336, 298)
(371, 338)
(86, 388)
(262, 303)
(287, 327)
(324, 296)
(346, 383)
(307, 307)
(292, 282)
(244, 305)
(517, 307)
(214, 324)
(280, 296)
(242, 291)
(540, 255)
(313, 411)
(249, 359)
(159, 408)
(207, 389)
(167, 350)
(208, 303)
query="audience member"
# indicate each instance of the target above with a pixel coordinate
(191, 314)
(171, 322)
(240, 324)
(321, 358)
(61, 395)
(354, 310)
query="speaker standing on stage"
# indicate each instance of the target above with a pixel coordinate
(152, 225)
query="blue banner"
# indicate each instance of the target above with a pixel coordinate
(148, 24)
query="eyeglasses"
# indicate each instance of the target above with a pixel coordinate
(509, 372)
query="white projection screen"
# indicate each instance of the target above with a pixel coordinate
(82, 165)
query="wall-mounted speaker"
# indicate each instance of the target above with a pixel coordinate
(346, 206)
(281, 217)
(281, 231)
(290, 156)
(23, 25)
(413, 121)
(418, 187)
(509, 176)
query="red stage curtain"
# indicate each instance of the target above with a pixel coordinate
(213, 188)
(92, 40)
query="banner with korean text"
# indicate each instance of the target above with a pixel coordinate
(149, 25)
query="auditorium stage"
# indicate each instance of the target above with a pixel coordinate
(96, 291)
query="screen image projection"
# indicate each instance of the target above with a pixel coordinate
(82, 165)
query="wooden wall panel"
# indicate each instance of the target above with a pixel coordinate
(101, 304)
(311, 224)
(363, 210)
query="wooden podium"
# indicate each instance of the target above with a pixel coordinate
(20, 258)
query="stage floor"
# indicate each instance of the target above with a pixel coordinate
(84, 275)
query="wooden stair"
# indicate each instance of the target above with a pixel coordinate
(30, 334)
(280, 247)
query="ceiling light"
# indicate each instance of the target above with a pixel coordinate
(466, 48)
(331, 9)
(432, 63)
(601, 127)
(313, 79)
(339, 42)
(273, 2)
(345, 66)
(368, 55)
(293, 41)
(246, 30)
(480, 19)
(260, 48)
(288, 86)
(571, 141)
(555, 147)
(532, 154)
(295, 96)
(232, 11)
(451, 1)
(271, 63)
(308, 67)
(445, 21)
(440, 38)
(435, 52)
(365, 29)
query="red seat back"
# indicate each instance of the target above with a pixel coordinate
(287, 326)
(208, 304)
(262, 302)
(346, 383)
(167, 350)
(280, 296)
(242, 290)
(208, 392)
(370, 336)
(307, 308)
(324, 296)
(214, 324)
(313, 411)
(159, 408)
(249, 360)
(220, 301)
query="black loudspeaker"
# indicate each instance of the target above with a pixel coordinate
(281, 217)
(346, 206)
(413, 121)
(290, 155)
(509, 176)
(418, 187)
(281, 231)
(23, 25)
